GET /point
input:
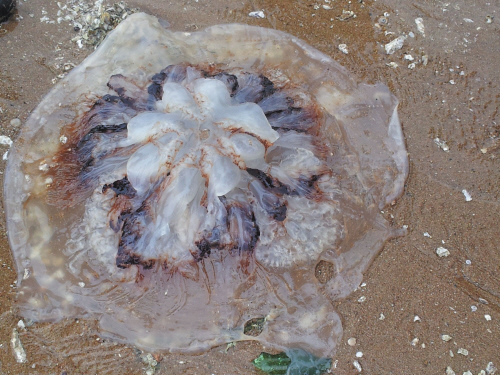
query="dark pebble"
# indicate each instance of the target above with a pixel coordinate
(7, 7)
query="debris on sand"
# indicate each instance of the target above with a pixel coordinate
(17, 347)
(92, 21)
(257, 14)
(343, 48)
(442, 144)
(420, 26)
(442, 252)
(446, 338)
(467, 196)
(346, 14)
(395, 44)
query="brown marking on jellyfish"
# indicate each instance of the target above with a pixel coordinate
(236, 129)
(78, 169)
(321, 150)
(119, 212)
(307, 185)
(227, 150)
(139, 277)
(66, 189)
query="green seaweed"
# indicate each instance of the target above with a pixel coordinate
(292, 362)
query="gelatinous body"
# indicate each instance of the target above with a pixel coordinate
(178, 187)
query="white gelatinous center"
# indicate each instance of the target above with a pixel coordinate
(205, 170)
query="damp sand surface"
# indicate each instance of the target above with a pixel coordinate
(411, 296)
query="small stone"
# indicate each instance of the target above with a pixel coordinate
(359, 354)
(409, 57)
(361, 299)
(382, 317)
(427, 235)
(446, 338)
(442, 252)
(467, 373)
(487, 317)
(414, 342)
(63, 139)
(351, 341)
(449, 371)
(473, 308)
(21, 325)
(482, 300)
(81, 284)
(392, 64)
(416, 318)
(463, 351)
(15, 122)
(357, 366)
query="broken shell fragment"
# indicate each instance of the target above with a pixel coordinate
(221, 166)
(394, 45)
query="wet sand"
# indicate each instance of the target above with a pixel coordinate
(412, 296)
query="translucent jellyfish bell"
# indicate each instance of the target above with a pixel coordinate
(177, 186)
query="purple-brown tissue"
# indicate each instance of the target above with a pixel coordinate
(176, 186)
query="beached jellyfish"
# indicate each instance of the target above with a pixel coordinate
(192, 189)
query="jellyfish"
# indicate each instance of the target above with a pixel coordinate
(192, 189)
